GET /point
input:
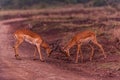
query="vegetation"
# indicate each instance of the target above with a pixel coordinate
(25, 4)
(63, 23)
(22, 4)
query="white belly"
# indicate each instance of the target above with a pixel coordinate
(30, 40)
(86, 40)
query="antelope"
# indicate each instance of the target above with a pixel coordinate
(32, 38)
(79, 39)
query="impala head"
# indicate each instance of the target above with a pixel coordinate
(49, 51)
(65, 51)
(30, 26)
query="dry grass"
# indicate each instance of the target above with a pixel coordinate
(116, 33)
(101, 20)
(76, 11)
(64, 23)
(111, 65)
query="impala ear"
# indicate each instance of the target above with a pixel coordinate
(61, 49)
(30, 26)
(50, 52)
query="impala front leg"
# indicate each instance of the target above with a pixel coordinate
(78, 51)
(16, 49)
(81, 55)
(92, 53)
(100, 46)
(39, 51)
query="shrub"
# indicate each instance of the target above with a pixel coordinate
(83, 1)
(99, 3)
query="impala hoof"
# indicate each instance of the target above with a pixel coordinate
(105, 57)
(76, 62)
(90, 59)
(48, 55)
(42, 60)
(34, 59)
(17, 57)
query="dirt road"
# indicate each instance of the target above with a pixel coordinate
(26, 69)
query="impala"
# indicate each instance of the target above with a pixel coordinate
(79, 39)
(32, 38)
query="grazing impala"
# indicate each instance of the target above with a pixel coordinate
(78, 39)
(33, 38)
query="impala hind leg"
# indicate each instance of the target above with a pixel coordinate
(92, 53)
(39, 51)
(35, 53)
(18, 42)
(100, 46)
(81, 55)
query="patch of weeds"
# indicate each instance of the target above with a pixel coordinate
(110, 65)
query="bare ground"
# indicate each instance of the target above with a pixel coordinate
(57, 67)
(27, 69)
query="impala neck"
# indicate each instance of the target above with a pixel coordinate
(45, 45)
(70, 44)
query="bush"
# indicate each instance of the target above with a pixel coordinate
(99, 3)
(83, 1)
